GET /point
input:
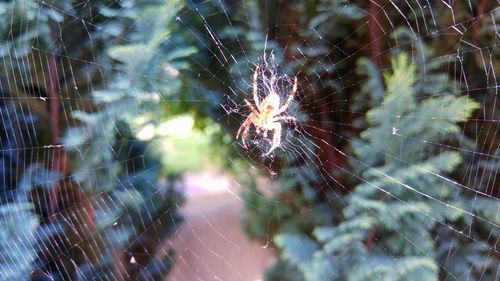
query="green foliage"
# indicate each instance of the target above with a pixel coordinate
(394, 163)
(372, 90)
(106, 138)
(111, 204)
(24, 22)
(17, 260)
(18, 241)
(305, 253)
(409, 119)
(390, 216)
(401, 218)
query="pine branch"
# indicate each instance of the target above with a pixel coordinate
(481, 9)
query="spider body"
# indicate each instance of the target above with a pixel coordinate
(265, 116)
(264, 119)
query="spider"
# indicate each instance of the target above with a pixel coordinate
(265, 115)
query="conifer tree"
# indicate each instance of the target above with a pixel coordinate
(102, 206)
(389, 219)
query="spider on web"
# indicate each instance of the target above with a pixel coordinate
(265, 116)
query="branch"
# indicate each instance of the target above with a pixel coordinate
(481, 8)
(375, 34)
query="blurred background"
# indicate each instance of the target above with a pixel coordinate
(119, 158)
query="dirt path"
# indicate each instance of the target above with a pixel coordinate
(211, 244)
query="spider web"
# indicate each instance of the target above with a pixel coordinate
(330, 109)
(301, 142)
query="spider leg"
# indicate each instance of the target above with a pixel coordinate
(286, 118)
(276, 137)
(290, 98)
(244, 134)
(245, 126)
(252, 108)
(254, 83)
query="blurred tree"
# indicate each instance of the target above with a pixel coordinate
(24, 180)
(147, 211)
(108, 214)
(324, 42)
(19, 177)
(391, 216)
